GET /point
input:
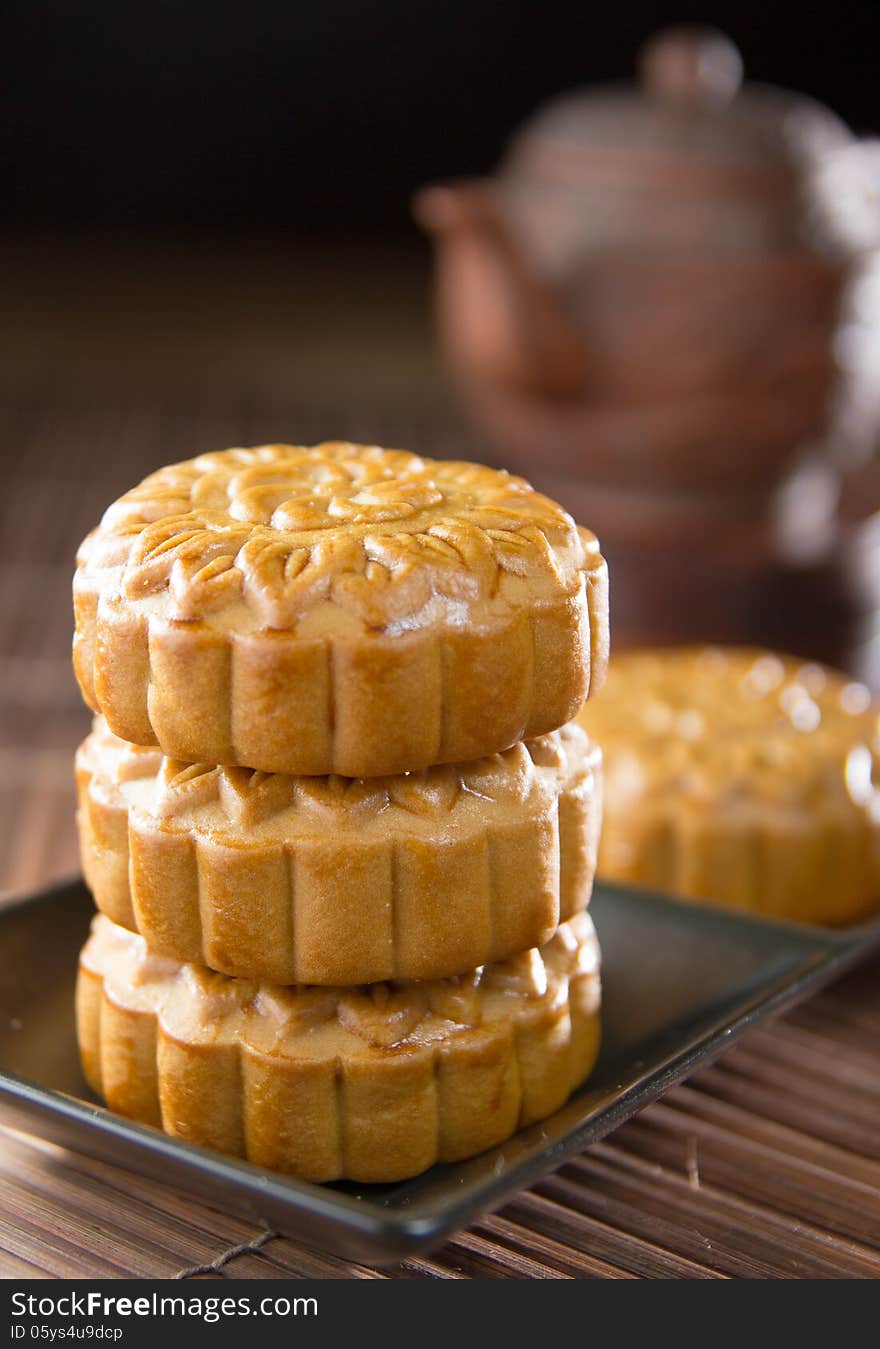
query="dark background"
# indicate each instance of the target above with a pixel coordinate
(322, 117)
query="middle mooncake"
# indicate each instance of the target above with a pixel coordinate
(331, 880)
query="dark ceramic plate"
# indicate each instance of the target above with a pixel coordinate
(680, 981)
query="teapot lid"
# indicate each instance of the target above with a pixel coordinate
(689, 117)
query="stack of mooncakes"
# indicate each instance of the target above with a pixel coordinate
(334, 811)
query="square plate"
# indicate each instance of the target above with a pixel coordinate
(680, 982)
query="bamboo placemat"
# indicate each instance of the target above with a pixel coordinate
(766, 1165)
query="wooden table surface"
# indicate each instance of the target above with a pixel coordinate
(766, 1165)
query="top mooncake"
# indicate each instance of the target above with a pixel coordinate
(337, 609)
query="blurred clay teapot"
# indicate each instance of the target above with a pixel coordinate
(651, 290)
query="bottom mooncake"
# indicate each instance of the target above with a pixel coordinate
(374, 1083)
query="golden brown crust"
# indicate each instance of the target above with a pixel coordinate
(743, 777)
(370, 1084)
(339, 880)
(339, 609)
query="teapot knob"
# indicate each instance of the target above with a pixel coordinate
(690, 65)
